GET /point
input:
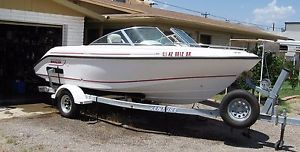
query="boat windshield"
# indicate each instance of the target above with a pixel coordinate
(113, 38)
(135, 36)
(147, 36)
(183, 37)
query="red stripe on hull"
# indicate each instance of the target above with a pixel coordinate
(145, 80)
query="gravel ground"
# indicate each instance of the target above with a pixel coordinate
(147, 132)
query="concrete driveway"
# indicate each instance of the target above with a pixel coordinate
(38, 127)
(25, 110)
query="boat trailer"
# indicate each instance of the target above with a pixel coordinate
(268, 111)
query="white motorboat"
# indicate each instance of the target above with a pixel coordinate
(143, 60)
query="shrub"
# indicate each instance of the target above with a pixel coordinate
(293, 74)
(272, 67)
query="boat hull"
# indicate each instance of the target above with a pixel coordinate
(164, 80)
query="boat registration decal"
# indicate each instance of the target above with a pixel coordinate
(164, 109)
(176, 54)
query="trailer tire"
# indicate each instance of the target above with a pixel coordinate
(239, 109)
(66, 106)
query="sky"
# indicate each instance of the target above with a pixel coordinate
(260, 12)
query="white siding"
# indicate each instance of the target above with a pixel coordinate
(72, 26)
(290, 34)
(292, 27)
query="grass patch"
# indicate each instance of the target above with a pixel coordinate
(283, 105)
(218, 97)
(11, 140)
(24, 150)
(287, 90)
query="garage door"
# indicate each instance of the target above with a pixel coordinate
(72, 25)
(22, 45)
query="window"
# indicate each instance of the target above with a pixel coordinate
(283, 48)
(205, 39)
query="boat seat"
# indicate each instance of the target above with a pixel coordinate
(114, 38)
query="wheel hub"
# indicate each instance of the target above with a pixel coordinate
(239, 109)
(66, 104)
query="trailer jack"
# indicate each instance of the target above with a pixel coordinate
(269, 111)
(279, 144)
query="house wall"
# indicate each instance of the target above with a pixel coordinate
(220, 39)
(36, 12)
(292, 31)
(292, 34)
(292, 26)
(217, 38)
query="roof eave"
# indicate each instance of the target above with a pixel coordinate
(152, 18)
(80, 9)
(113, 6)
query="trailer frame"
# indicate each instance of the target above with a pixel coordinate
(268, 111)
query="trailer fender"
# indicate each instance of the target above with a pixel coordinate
(77, 93)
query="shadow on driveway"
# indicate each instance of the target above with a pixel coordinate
(177, 125)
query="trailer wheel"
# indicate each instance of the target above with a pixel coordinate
(239, 109)
(66, 105)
